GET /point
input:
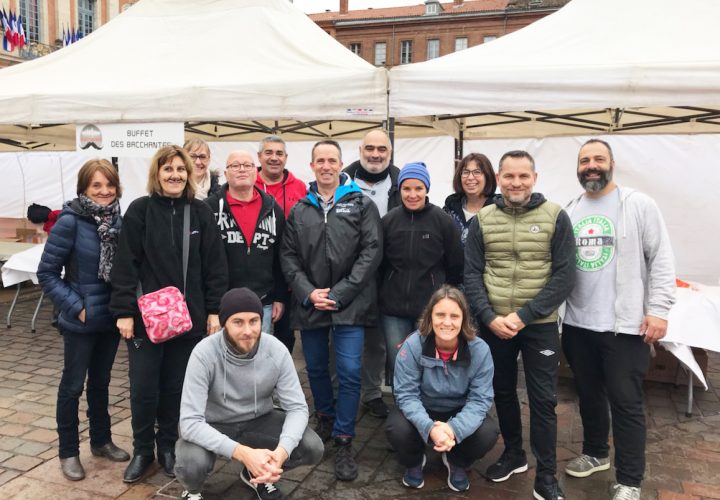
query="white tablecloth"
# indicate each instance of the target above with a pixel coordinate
(694, 321)
(22, 266)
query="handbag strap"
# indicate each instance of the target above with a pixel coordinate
(186, 243)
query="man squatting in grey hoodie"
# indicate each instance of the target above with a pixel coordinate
(227, 406)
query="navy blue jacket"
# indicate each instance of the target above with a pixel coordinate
(74, 244)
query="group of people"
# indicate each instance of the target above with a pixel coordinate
(378, 280)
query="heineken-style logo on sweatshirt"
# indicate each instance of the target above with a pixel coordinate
(595, 241)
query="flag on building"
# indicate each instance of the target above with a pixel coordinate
(73, 38)
(21, 33)
(13, 27)
(7, 32)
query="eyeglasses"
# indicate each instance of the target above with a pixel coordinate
(201, 157)
(240, 166)
(475, 173)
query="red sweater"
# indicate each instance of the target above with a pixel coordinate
(246, 214)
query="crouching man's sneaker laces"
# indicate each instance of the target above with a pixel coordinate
(584, 465)
(264, 491)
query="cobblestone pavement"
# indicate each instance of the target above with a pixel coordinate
(683, 453)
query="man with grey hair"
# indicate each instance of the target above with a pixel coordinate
(619, 306)
(276, 180)
(518, 271)
(251, 226)
(378, 180)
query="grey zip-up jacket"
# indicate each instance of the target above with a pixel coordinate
(645, 264)
(223, 388)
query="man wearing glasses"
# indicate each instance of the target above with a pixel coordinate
(251, 226)
(378, 180)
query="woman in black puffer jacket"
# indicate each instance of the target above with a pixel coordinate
(83, 241)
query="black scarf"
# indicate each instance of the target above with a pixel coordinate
(370, 177)
(105, 217)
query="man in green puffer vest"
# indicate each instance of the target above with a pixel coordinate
(519, 268)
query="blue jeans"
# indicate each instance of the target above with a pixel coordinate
(348, 344)
(267, 319)
(396, 331)
(91, 355)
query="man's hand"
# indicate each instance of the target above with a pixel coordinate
(213, 323)
(125, 326)
(81, 316)
(259, 462)
(319, 298)
(442, 437)
(502, 329)
(514, 321)
(653, 329)
(277, 311)
(279, 456)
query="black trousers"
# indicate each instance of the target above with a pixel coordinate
(91, 355)
(282, 330)
(194, 463)
(157, 372)
(405, 438)
(609, 370)
(540, 348)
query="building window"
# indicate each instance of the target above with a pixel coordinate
(432, 7)
(30, 12)
(406, 52)
(380, 53)
(489, 38)
(461, 43)
(433, 49)
(86, 16)
(355, 48)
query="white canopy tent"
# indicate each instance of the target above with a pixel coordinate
(200, 61)
(645, 66)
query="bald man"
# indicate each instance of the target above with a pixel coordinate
(251, 225)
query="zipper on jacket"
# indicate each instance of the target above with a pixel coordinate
(412, 240)
(172, 218)
(513, 284)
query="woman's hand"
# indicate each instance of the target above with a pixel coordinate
(213, 324)
(81, 316)
(126, 326)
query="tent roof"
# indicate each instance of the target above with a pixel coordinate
(591, 67)
(194, 60)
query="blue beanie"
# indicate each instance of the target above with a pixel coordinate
(416, 170)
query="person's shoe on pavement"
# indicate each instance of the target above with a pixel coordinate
(413, 477)
(585, 465)
(72, 469)
(457, 476)
(509, 463)
(186, 495)
(622, 492)
(547, 489)
(346, 468)
(377, 408)
(324, 427)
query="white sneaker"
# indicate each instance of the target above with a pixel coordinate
(622, 492)
(186, 495)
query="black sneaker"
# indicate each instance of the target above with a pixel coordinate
(508, 464)
(549, 490)
(377, 408)
(346, 468)
(324, 427)
(264, 491)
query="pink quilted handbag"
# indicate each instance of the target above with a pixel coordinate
(165, 314)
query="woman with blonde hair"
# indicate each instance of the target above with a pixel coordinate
(83, 242)
(150, 255)
(207, 181)
(443, 391)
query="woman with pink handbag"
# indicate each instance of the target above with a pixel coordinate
(83, 242)
(169, 247)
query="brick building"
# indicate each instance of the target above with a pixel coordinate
(401, 35)
(45, 20)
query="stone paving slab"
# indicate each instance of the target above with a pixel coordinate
(683, 453)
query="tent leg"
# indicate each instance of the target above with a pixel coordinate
(459, 145)
(391, 135)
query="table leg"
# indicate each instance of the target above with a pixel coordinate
(37, 309)
(688, 413)
(12, 305)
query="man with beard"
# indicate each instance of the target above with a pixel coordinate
(518, 270)
(625, 288)
(377, 179)
(277, 181)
